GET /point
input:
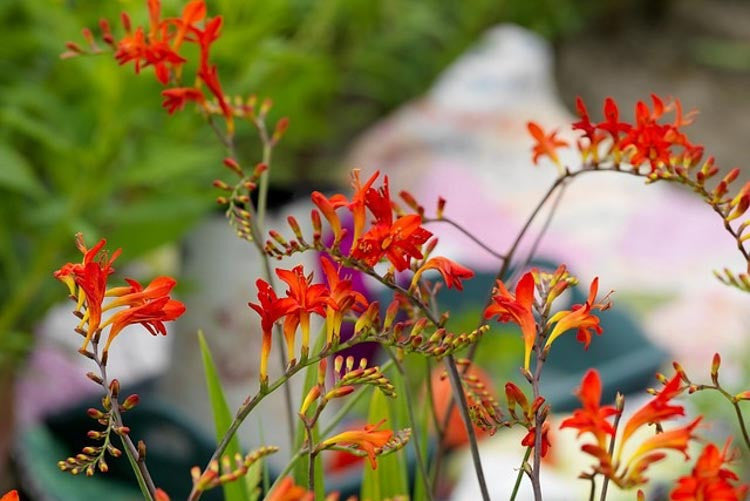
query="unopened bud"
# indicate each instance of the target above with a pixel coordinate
(619, 401)
(322, 366)
(715, 365)
(678, 368)
(141, 450)
(294, 225)
(95, 413)
(745, 395)
(94, 377)
(231, 164)
(311, 397)
(339, 392)
(440, 207)
(281, 126)
(337, 363)
(130, 402)
(218, 183)
(266, 106)
(259, 169)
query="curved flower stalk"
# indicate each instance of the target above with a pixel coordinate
(628, 470)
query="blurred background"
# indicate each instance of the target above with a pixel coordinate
(85, 146)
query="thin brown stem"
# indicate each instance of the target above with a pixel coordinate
(137, 461)
(605, 482)
(466, 232)
(463, 408)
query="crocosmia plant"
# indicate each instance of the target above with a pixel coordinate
(310, 317)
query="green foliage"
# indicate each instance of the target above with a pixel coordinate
(233, 491)
(85, 146)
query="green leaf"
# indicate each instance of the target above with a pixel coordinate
(16, 173)
(390, 479)
(233, 491)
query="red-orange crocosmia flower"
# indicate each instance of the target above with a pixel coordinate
(593, 417)
(656, 410)
(369, 439)
(176, 97)
(451, 271)
(306, 298)
(150, 307)
(342, 299)
(90, 278)
(399, 241)
(10, 496)
(611, 123)
(529, 439)
(271, 309)
(328, 209)
(287, 490)
(579, 317)
(709, 480)
(546, 144)
(193, 12)
(518, 309)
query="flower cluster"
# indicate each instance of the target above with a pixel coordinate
(628, 471)
(161, 46)
(369, 440)
(519, 308)
(149, 306)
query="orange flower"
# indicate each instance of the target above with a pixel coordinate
(369, 439)
(342, 299)
(592, 418)
(10, 496)
(451, 271)
(288, 491)
(612, 124)
(517, 309)
(399, 241)
(709, 479)
(305, 299)
(530, 438)
(546, 144)
(88, 280)
(176, 97)
(579, 317)
(656, 410)
(150, 307)
(270, 309)
(329, 212)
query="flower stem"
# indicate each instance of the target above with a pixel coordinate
(463, 408)
(521, 471)
(413, 423)
(605, 482)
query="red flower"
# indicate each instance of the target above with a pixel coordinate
(399, 241)
(592, 418)
(451, 271)
(151, 314)
(287, 490)
(88, 280)
(530, 438)
(176, 97)
(546, 144)
(304, 300)
(369, 439)
(611, 123)
(270, 309)
(579, 317)
(709, 480)
(657, 410)
(10, 496)
(342, 299)
(517, 309)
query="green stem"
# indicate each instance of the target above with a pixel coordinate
(413, 423)
(136, 471)
(521, 471)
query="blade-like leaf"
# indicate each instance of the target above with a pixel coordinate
(233, 491)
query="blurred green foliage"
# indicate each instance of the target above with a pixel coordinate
(85, 146)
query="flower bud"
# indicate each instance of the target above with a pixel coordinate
(339, 392)
(715, 365)
(130, 402)
(311, 397)
(95, 413)
(440, 207)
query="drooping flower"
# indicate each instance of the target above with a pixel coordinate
(270, 308)
(176, 98)
(150, 307)
(88, 281)
(709, 479)
(579, 317)
(306, 298)
(592, 417)
(342, 299)
(546, 144)
(516, 308)
(530, 438)
(451, 271)
(369, 439)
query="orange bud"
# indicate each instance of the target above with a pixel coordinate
(311, 397)
(130, 402)
(514, 396)
(339, 392)
(745, 395)
(281, 126)
(715, 364)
